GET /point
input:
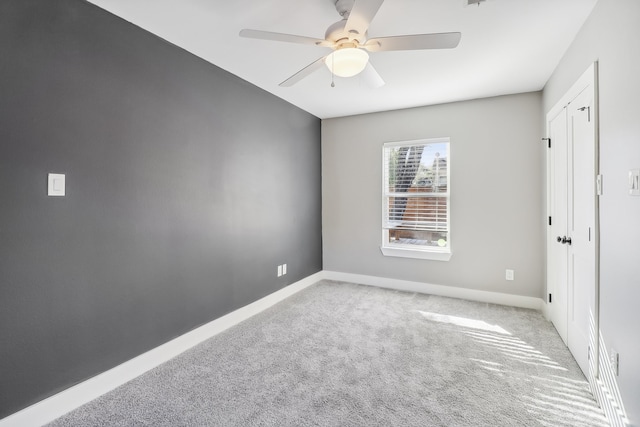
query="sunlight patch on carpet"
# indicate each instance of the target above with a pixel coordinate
(461, 321)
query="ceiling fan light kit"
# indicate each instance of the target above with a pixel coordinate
(348, 39)
(347, 62)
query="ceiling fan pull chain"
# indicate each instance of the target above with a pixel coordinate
(333, 76)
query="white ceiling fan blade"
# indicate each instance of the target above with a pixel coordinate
(309, 69)
(361, 15)
(414, 42)
(280, 37)
(371, 77)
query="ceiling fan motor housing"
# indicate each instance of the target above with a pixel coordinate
(339, 35)
(337, 32)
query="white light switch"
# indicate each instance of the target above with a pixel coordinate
(56, 185)
(634, 182)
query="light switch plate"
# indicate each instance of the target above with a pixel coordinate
(56, 184)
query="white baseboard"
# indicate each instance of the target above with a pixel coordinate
(546, 310)
(445, 291)
(59, 404)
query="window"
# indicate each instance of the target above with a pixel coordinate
(416, 199)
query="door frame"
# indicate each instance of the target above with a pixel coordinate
(588, 78)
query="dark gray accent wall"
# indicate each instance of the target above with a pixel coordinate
(186, 187)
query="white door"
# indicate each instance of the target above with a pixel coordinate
(581, 227)
(557, 261)
(571, 249)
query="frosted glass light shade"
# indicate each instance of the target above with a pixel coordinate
(347, 62)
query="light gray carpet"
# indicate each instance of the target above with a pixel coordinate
(339, 354)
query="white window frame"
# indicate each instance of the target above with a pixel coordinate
(415, 251)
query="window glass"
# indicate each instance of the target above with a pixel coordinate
(416, 195)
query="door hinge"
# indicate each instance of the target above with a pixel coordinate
(588, 112)
(599, 189)
(549, 220)
(548, 141)
(549, 298)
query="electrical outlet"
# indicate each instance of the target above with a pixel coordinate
(284, 269)
(614, 359)
(508, 275)
(279, 270)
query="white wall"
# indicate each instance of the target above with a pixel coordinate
(497, 187)
(612, 36)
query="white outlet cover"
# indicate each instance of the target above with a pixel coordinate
(614, 359)
(509, 275)
(279, 270)
(284, 269)
(56, 184)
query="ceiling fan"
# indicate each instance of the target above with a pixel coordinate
(350, 43)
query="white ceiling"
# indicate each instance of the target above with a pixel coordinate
(507, 46)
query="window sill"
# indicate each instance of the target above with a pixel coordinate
(416, 253)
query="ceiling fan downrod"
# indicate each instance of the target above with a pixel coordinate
(343, 7)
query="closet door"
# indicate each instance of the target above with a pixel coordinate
(581, 227)
(572, 232)
(557, 260)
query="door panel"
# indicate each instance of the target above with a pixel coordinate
(581, 226)
(558, 204)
